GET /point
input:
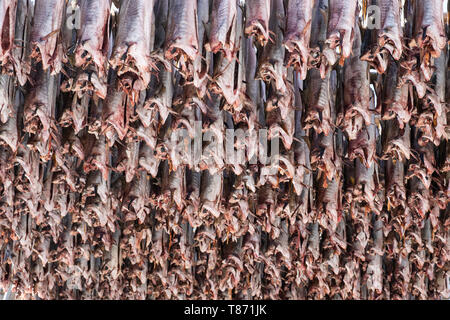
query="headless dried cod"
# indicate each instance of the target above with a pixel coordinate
(7, 23)
(257, 20)
(341, 30)
(388, 36)
(91, 53)
(182, 44)
(131, 53)
(356, 112)
(46, 43)
(429, 33)
(298, 34)
(216, 149)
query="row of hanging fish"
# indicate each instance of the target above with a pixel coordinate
(346, 100)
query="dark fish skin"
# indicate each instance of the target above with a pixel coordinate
(193, 180)
(298, 33)
(271, 64)
(396, 141)
(39, 111)
(251, 65)
(181, 38)
(93, 37)
(323, 155)
(116, 174)
(356, 92)
(318, 97)
(131, 52)
(280, 117)
(21, 59)
(429, 31)
(30, 162)
(319, 57)
(252, 85)
(177, 186)
(364, 146)
(7, 31)
(429, 34)
(341, 26)
(395, 97)
(231, 266)
(45, 34)
(395, 185)
(203, 60)
(329, 201)
(223, 24)
(163, 96)
(8, 113)
(226, 81)
(432, 119)
(98, 157)
(138, 196)
(388, 39)
(115, 113)
(257, 20)
(128, 162)
(391, 33)
(161, 12)
(366, 190)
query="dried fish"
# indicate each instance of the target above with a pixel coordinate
(212, 149)
(257, 20)
(341, 29)
(182, 40)
(93, 36)
(7, 23)
(46, 44)
(298, 34)
(223, 26)
(356, 112)
(388, 36)
(429, 33)
(131, 53)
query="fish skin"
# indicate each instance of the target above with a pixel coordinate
(223, 24)
(46, 33)
(356, 112)
(396, 97)
(388, 38)
(341, 26)
(8, 113)
(115, 114)
(224, 74)
(95, 203)
(203, 60)
(257, 20)
(181, 38)
(39, 112)
(429, 33)
(298, 33)
(93, 37)
(7, 22)
(163, 97)
(271, 65)
(131, 52)
(319, 102)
